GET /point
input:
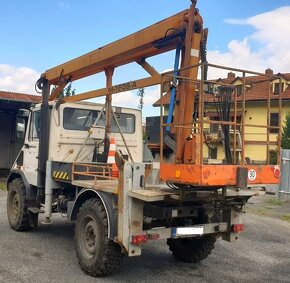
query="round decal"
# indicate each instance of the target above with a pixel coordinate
(277, 171)
(252, 175)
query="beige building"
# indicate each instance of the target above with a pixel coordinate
(261, 97)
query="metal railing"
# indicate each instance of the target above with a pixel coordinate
(238, 103)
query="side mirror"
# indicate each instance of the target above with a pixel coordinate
(21, 120)
(20, 128)
(23, 113)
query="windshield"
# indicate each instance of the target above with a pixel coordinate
(81, 120)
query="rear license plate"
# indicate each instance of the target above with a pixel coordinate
(187, 231)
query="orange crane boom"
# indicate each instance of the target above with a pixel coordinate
(133, 48)
(184, 28)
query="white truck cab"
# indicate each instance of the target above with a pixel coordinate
(71, 140)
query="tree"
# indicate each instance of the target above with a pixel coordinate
(285, 139)
(68, 91)
(140, 93)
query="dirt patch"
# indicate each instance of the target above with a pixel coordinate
(269, 206)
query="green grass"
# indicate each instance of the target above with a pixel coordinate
(274, 201)
(286, 217)
(2, 186)
(260, 211)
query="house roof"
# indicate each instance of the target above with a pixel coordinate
(286, 76)
(257, 88)
(165, 100)
(21, 97)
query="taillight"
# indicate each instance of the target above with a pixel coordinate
(139, 239)
(237, 228)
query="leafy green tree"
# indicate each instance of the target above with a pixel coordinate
(273, 157)
(285, 139)
(68, 91)
(140, 93)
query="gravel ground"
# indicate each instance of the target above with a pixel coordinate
(48, 255)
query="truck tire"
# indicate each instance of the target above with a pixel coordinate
(96, 253)
(192, 250)
(17, 206)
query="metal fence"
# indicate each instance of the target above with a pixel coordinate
(284, 188)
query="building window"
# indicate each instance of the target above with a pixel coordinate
(214, 127)
(212, 153)
(274, 122)
(276, 88)
(239, 89)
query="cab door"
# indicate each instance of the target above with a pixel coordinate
(31, 148)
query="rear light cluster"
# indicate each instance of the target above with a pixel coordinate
(237, 228)
(142, 239)
(139, 239)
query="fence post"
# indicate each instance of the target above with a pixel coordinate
(284, 187)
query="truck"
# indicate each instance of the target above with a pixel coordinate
(85, 160)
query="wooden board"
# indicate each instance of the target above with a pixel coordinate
(110, 186)
(150, 195)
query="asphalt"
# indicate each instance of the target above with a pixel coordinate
(47, 254)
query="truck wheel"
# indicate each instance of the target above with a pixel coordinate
(192, 250)
(17, 206)
(96, 253)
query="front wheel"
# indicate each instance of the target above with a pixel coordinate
(97, 255)
(17, 206)
(192, 250)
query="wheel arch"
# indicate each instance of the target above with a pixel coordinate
(31, 191)
(108, 202)
(17, 174)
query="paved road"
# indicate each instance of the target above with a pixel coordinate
(48, 255)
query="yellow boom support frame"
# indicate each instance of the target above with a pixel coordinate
(184, 28)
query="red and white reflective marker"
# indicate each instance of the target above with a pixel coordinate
(277, 171)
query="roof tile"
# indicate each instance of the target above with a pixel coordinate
(257, 89)
(14, 96)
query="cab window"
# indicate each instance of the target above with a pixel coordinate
(34, 133)
(81, 120)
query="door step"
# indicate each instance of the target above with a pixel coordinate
(35, 210)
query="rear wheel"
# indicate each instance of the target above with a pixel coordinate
(97, 255)
(192, 250)
(17, 206)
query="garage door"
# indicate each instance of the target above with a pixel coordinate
(6, 142)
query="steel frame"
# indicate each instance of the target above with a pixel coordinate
(200, 174)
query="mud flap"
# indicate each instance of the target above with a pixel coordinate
(234, 217)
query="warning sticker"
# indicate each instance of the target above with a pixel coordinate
(252, 175)
(194, 52)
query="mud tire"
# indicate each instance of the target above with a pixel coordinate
(192, 250)
(17, 206)
(96, 253)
